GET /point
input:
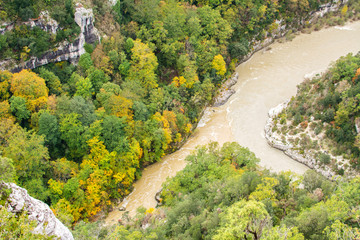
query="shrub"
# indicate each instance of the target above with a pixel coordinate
(324, 158)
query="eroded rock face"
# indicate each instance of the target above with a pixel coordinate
(19, 200)
(65, 51)
(44, 21)
(226, 92)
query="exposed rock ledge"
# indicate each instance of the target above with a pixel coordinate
(19, 200)
(225, 91)
(275, 141)
(65, 51)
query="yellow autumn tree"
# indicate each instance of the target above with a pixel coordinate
(265, 190)
(110, 175)
(99, 161)
(5, 111)
(143, 65)
(344, 10)
(120, 107)
(30, 86)
(178, 81)
(166, 127)
(170, 117)
(5, 77)
(219, 65)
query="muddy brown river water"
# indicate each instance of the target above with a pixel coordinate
(270, 77)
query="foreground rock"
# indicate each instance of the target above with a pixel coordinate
(19, 200)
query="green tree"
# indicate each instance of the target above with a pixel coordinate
(71, 84)
(19, 109)
(282, 233)
(85, 109)
(114, 135)
(49, 127)
(84, 88)
(37, 189)
(339, 230)
(52, 81)
(85, 62)
(29, 154)
(214, 26)
(97, 78)
(243, 220)
(143, 65)
(174, 20)
(72, 133)
(7, 170)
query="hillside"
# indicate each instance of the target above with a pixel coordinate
(321, 122)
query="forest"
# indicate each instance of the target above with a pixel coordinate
(77, 137)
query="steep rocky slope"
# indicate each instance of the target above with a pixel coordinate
(19, 200)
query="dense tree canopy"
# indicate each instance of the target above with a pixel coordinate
(77, 136)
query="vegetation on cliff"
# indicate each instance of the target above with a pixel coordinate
(22, 40)
(322, 120)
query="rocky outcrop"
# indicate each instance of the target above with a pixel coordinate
(329, 7)
(44, 21)
(225, 91)
(112, 2)
(19, 200)
(65, 51)
(357, 125)
(275, 140)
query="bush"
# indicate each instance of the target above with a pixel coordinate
(324, 158)
(328, 115)
(297, 118)
(318, 130)
(239, 49)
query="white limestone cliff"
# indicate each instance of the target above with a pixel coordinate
(65, 51)
(19, 200)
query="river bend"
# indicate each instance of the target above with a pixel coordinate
(270, 77)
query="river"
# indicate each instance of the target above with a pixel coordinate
(270, 77)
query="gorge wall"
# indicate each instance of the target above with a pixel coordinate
(65, 51)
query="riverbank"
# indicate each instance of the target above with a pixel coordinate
(319, 126)
(270, 77)
(281, 142)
